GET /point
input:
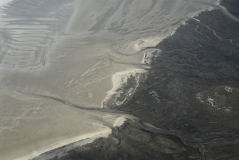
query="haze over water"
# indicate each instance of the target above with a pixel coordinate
(71, 51)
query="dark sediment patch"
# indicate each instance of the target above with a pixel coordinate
(232, 6)
(202, 57)
(129, 141)
(192, 88)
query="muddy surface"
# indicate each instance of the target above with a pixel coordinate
(190, 96)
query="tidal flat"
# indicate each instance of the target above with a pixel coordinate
(69, 80)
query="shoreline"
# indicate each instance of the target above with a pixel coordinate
(122, 90)
(79, 140)
(84, 139)
(117, 86)
(115, 79)
(123, 72)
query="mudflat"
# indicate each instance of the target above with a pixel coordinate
(161, 82)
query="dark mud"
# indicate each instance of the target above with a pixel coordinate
(191, 90)
(130, 141)
(232, 6)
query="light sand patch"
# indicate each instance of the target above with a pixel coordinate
(147, 42)
(125, 84)
(155, 95)
(211, 102)
(218, 2)
(228, 89)
(119, 121)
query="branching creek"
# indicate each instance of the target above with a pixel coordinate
(186, 139)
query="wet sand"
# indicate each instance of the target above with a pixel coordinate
(188, 106)
(72, 50)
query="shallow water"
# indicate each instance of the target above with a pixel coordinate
(70, 50)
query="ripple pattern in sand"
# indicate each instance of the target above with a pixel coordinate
(28, 29)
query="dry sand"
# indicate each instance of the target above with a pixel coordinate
(123, 89)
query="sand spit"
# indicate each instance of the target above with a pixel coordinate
(36, 125)
(87, 138)
(79, 140)
(119, 121)
(143, 43)
(125, 84)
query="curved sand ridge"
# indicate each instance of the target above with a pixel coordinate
(83, 139)
(37, 125)
(78, 140)
(125, 84)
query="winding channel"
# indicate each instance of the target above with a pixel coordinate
(187, 140)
